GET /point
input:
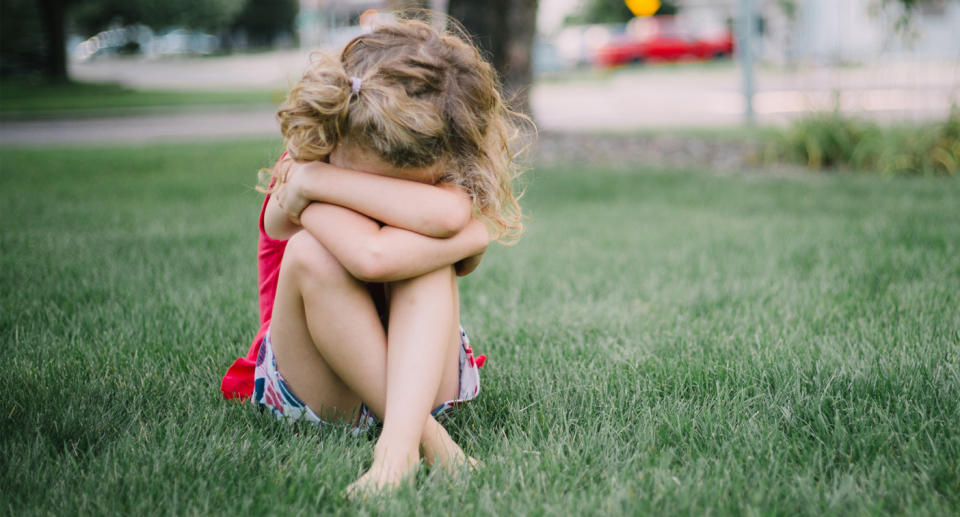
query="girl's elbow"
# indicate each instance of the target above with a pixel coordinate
(454, 221)
(370, 265)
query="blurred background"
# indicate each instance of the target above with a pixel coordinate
(817, 73)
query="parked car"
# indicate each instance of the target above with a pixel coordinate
(662, 39)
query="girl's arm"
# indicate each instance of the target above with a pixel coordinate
(435, 211)
(372, 253)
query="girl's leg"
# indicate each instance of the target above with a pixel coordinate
(326, 333)
(422, 371)
(330, 344)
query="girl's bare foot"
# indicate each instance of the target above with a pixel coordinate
(439, 450)
(393, 465)
(390, 469)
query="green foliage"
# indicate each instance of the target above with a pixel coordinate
(834, 140)
(22, 44)
(659, 343)
(262, 20)
(903, 25)
(31, 30)
(911, 4)
(612, 11)
(95, 15)
(789, 8)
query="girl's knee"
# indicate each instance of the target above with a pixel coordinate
(306, 257)
(440, 277)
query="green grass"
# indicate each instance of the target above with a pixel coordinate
(659, 343)
(25, 99)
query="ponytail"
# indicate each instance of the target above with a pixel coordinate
(313, 115)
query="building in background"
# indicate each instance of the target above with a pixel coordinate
(844, 31)
(819, 32)
(332, 23)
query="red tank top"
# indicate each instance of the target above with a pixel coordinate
(238, 381)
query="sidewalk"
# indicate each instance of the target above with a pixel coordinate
(652, 97)
(177, 126)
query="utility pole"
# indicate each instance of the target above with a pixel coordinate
(745, 34)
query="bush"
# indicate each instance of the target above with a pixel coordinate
(833, 140)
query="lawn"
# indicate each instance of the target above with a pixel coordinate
(20, 99)
(659, 343)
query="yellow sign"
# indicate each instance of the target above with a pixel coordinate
(643, 7)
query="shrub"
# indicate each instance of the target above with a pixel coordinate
(834, 140)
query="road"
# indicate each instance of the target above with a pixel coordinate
(181, 125)
(652, 97)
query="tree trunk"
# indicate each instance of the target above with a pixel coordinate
(504, 30)
(53, 14)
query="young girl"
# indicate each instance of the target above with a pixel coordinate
(398, 172)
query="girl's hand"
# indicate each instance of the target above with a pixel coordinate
(291, 195)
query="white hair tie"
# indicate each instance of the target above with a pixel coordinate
(355, 84)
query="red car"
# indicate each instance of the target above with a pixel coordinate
(662, 40)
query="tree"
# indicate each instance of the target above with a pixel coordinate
(94, 15)
(903, 25)
(910, 4)
(262, 20)
(23, 46)
(503, 30)
(53, 16)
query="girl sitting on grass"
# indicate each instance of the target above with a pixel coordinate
(397, 174)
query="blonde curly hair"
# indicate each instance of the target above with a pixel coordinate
(424, 97)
